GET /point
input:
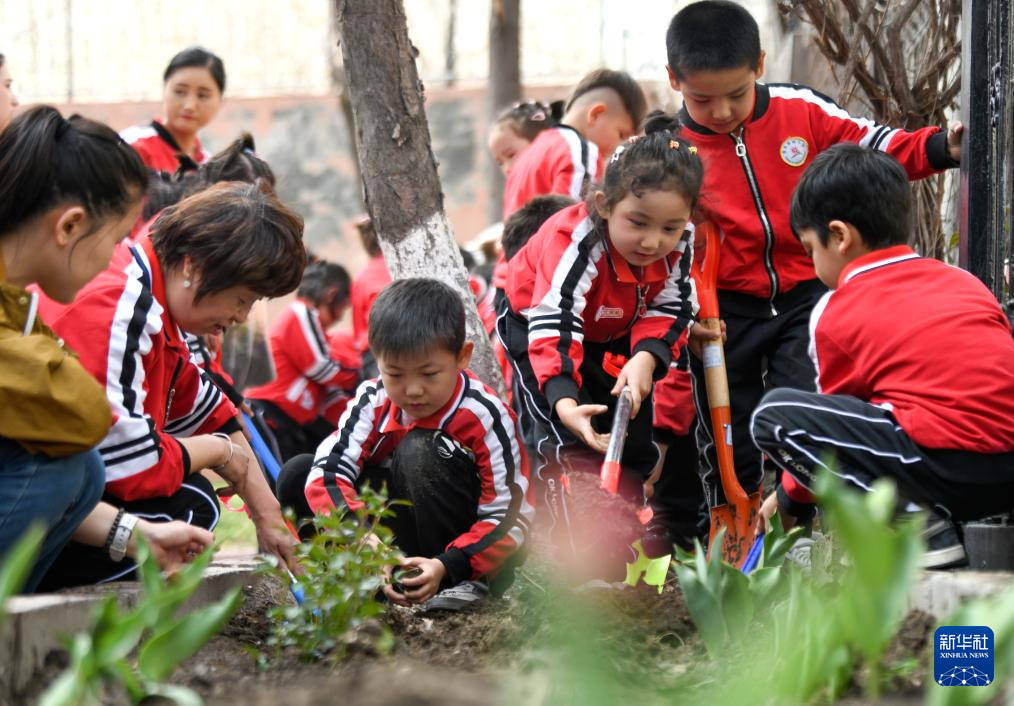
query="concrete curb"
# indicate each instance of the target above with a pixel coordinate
(37, 625)
(941, 592)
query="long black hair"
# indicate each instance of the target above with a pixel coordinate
(46, 159)
(660, 160)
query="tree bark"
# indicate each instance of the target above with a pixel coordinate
(340, 86)
(396, 160)
(504, 78)
(903, 70)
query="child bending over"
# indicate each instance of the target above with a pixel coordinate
(599, 297)
(439, 438)
(757, 139)
(894, 398)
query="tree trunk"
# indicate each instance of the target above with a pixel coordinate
(504, 78)
(399, 172)
(340, 86)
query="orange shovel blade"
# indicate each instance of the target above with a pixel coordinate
(740, 525)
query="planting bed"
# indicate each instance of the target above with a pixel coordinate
(544, 642)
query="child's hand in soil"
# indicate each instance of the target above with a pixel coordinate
(699, 335)
(577, 418)
(636, 375)
(420, 588)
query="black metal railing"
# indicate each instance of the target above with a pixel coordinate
(987, 164)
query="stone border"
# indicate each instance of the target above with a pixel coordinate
(37, 625)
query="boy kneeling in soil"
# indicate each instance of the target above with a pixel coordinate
(900, 400)
(439, 438)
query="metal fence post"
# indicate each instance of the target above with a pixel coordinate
(987, 163)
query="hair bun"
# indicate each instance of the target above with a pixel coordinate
(556, 111)
(658, 120)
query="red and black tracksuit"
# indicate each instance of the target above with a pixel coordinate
(343, 349)
(896, 401)
(121, 328)
(573, 302)
(462, 469)
(157, 148)
(306, 374)
(558, 161)
(766, 283)
(366, 287)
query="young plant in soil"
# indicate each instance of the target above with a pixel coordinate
(814, 636)
(343, 575)
(100, 656)
(723, 601)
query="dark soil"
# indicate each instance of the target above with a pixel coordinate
(438, 658)
(602, 528)
(530, 646)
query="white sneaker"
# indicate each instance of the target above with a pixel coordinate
(801, 554)
(466, 594)
(943, 544)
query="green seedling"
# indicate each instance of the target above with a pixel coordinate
(722, 600)
(342, 578)
(100, 657)
(17, 564)
(782, 636)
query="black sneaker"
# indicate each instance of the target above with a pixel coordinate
(466, 595)
(944, 549)
(656, 542)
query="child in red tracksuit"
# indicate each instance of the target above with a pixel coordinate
(605, 108)
(366, 287)
(305, 371)
(514, 130)
(599, 297)
(755, 140)
(438, 438)
(893, 400)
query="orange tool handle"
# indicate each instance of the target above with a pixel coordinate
(715, 377)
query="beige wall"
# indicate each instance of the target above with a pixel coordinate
(116, 50)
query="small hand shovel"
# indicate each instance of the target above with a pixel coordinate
(740, 514)
(610, 474)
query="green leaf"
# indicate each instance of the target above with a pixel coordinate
(116, 634)
(164, 598)
(160, 655)
(18, 563)
(704, 609)
(71, 687)
(179, 695)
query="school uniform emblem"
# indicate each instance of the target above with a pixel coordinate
(609, 312)
(794, 151)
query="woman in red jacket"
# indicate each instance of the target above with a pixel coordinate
(205, 263)
(194, 84)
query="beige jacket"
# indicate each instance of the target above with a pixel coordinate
(49, 404)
